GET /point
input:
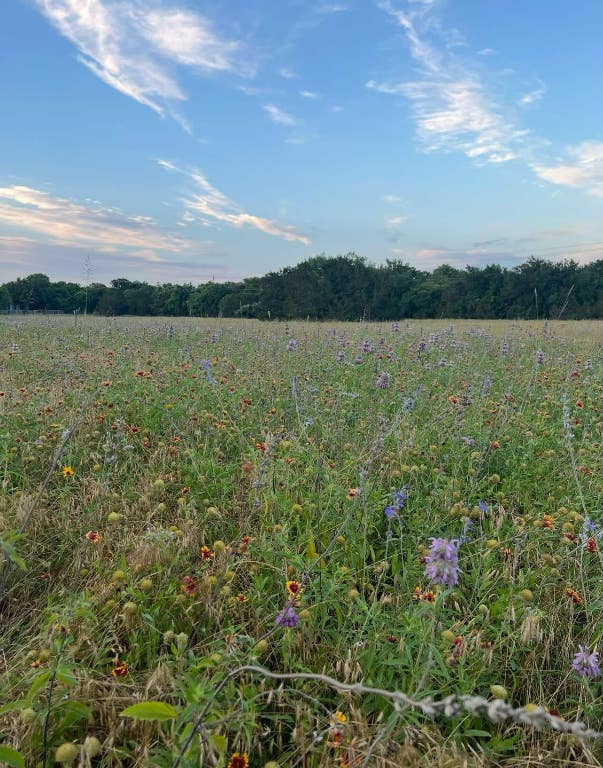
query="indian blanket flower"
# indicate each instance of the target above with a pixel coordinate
(93, 536)
(287, 617)
(442, 564)
(294, 588)
(67, 471)
(120, 669)
(238, 760)
(586, 664)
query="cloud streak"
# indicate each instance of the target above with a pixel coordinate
(208, 204)
(279, 116)
(135, 50)
(69, 222)
(451, 106)
(582, 168)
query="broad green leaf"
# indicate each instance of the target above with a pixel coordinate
(150, 710)
(37, 685)
(219, 741)
(10, 756)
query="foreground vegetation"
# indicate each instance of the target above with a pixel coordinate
(217, 535)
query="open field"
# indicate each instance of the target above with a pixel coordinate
(184, 499)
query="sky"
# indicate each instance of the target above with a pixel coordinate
(195, 140)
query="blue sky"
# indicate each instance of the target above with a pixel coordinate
(184, 140)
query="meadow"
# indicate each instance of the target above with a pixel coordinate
(239, 543)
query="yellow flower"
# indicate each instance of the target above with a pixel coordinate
(68, 471)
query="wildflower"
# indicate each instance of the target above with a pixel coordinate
(574, 595)
(383, 380)
(120, 669)
(352, 492)
(93, 536)
(287, 617)
(483, 506)
(292, 345)
(591, 545)
(241, 598)
(206, 553)
(188, 585)
(238, 760)
(540, 357)
(586, 664)
(68, 471)
(339, 717)
(398, 501)
(442, 562)
(547, 522)
(294, 588)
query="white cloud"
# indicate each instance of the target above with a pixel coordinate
(309, 95)
(288, 74)
(208, 203)
(68, 222)
(329, 8)
(134, 50)
(531, 97)
(279, 116)
(451, 106)
(395, 221)
(582, 168)
(392, 199)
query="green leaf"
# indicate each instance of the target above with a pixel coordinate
(219, 741)
(38, 684)
(150, 710)
(65, 675)
(14, 705)
(10, 756)
(73, 712)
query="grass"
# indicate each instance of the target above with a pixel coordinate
(209, 464)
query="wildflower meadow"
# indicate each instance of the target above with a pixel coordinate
(246, 544)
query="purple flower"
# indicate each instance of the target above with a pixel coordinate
(291, 345)
(539, 356)
(586, 664)
(443, 562)
(287, 617)
(383, 380)
(398, 501)
(483, 506)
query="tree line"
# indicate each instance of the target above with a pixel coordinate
(338, 288)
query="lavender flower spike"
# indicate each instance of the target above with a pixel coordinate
(287, 617)
(586, 664)
(442, 563)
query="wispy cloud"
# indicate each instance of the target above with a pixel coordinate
(208, 203)
(20, 256)
(279, 116)
(61, 219)
(451, 105)
(328, 8)
(531, 97)
(582, 168)
(288, 74)
(309, 95)
(135, 50)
